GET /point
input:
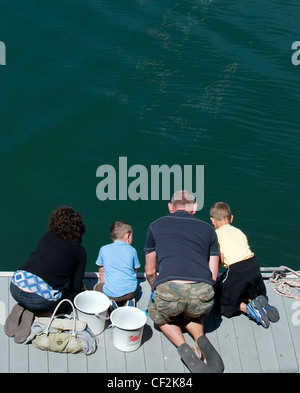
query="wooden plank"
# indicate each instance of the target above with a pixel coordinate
(211, 323)
(292, 309)
(57, 362)
(135, 361)
(172, 360)
(265, 344)
(37, 360)
(229, 350)
(243, 327)
(116, 362)
(282, 335)
(151, 342)
(19, 353)
(154, 357)
(266, 349)
(4, 340)
(96, 362)
(77, 363)
(4, 352)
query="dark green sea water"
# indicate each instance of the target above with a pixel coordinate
(186, 82)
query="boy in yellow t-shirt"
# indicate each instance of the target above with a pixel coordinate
(240, 287)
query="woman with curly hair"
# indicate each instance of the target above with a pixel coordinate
(54, 271)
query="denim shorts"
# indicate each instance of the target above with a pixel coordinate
(172, 299)
(32, 301)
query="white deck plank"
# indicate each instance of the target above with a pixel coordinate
(135, 361)
(154, 356)
(57, 362)
(96, 362)
(4, 351)
(18, 354)
(77, 363)
(282, 336)
(4, 340)
(153, 351)
(116, 362)
(38, 360)
(172, 361)
(243, 329)
(292, 309)
(228, 347)
(266, 349)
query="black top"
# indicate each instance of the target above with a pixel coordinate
(58, 262)
(183, 244)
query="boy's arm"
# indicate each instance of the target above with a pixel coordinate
(101, 274)
(136, 262)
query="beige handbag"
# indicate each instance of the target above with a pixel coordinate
(61, 334)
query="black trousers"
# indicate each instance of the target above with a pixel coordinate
(240, 282)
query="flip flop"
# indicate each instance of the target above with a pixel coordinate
(13, 320)
(191, 360)
(214, 360)
(24, 328)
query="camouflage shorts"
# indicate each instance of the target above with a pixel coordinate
(171, 299)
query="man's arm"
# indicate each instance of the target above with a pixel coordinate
(214, 266)
(150, 267)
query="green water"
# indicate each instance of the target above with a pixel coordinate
(207, 83)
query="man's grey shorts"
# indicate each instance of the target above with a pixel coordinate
(171, 299)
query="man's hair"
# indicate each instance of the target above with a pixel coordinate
(220, 211)
(182, 198)
(119, 229)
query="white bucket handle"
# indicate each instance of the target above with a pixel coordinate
(99, 315)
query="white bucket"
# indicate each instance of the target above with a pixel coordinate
(92, 308)
(128, 325)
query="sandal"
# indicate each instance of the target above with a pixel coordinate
(24, 328)
(212, 357)
(191, 360)
(13, 320)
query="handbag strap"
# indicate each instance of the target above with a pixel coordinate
(46, 331)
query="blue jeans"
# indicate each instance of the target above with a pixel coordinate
(33, 302)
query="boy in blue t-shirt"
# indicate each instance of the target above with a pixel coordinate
(118, 263)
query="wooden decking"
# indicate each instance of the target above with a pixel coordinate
(244, 346)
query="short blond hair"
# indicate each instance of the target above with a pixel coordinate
(220, 211)
(119, 229)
